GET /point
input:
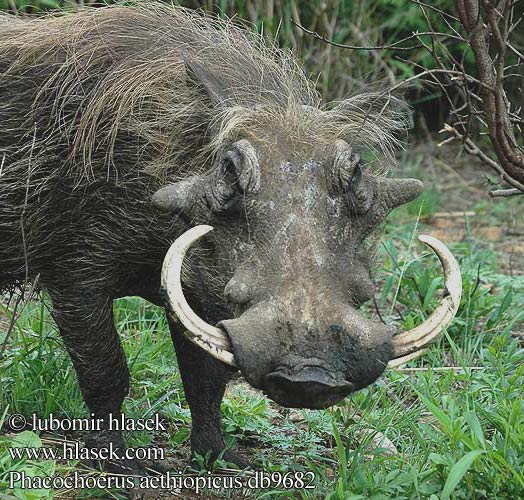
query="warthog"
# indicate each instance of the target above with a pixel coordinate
(123, 128)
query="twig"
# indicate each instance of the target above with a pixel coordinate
(377, 309)
(458, 213)
(10, 328)
(435, 9)
(432, 72)
(24, 208)
(477, 283)
(505, 192)
(440, 369)
(391, 46)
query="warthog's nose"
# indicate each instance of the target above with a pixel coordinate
(311, 388)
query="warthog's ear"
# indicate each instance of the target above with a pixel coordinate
(217, 89)
(397, 192)
(381, 195)
(179, 196)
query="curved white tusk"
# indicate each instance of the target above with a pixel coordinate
(409, 343)
(213, 340)
(396, 362)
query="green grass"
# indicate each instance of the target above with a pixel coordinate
(458, 434)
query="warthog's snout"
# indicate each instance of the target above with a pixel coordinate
(311, 387)
(303, 361)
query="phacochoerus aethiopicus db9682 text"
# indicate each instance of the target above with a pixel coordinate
(127, 133)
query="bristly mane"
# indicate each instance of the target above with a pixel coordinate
(104, 86)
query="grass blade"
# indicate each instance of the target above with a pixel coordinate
(457, 472)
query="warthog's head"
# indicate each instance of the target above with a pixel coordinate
(290, 219)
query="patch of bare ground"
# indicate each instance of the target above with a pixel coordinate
(465, 210)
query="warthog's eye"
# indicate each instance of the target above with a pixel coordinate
(360, 193)
(225, 193)
(236, 174)
(348, 179)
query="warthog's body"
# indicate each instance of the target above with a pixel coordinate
(98, 110)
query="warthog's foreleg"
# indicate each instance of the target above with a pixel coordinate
(85, 321)
(204, 379)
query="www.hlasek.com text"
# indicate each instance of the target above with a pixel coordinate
(72, 450)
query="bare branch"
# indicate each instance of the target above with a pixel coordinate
(392, 46)
(435, 9)
(478, 100)
(491, 73)
(505, 192)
